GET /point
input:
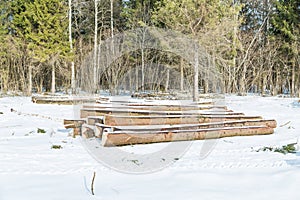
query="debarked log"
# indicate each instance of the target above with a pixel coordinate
(85, 112)
(156, 108)
(117, 120)
(100, 128)
(120, 138)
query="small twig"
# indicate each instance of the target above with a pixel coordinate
(285, 124)
(92, 185)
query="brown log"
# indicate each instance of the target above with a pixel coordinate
(85, 112)
(120, 138)
(269, 123)
(113, 120)
(92, 120)
(162, 104)
(155, 108)
(62, 100)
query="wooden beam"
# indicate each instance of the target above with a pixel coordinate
(120, 138)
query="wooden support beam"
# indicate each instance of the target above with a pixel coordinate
(120, 138)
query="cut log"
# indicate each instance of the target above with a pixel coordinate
(241, 123)
(99, 119)
(85, 112)
(114, 120)
(92, 120)
(120, 138)
(64, 100)
(156, 108)
(192, 104)
(87, 131)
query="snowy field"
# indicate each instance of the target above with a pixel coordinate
(232, 168)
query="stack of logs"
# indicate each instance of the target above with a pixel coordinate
(126, 123)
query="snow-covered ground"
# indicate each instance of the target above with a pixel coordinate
(228, 168)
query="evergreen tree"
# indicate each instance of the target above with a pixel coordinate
(139, 12)
(286, 27)
(43, 25)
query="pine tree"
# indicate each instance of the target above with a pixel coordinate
(43, 26)
(286, 27)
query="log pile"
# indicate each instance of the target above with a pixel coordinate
(127, 123)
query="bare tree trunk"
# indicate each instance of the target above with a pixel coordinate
(167, 80)
(196, 74)
(95, 46)
(136, 79)
(143, 67)
(181, 74)
(276, 85)
(293, 80)
(113, 74)
(112, 17)
(130, 83)
(298, 84)
(53, 79)
(73, 86)
(29, 80)
(264, 82)
(234, 39)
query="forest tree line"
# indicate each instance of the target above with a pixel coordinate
(254, 44)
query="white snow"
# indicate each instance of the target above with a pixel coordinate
(228, 168)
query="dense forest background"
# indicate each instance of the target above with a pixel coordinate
(45, 43)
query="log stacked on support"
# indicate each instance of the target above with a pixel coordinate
(65, 100)
(125, 123)
(119, 138)
(239, 123)
(85, 112)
